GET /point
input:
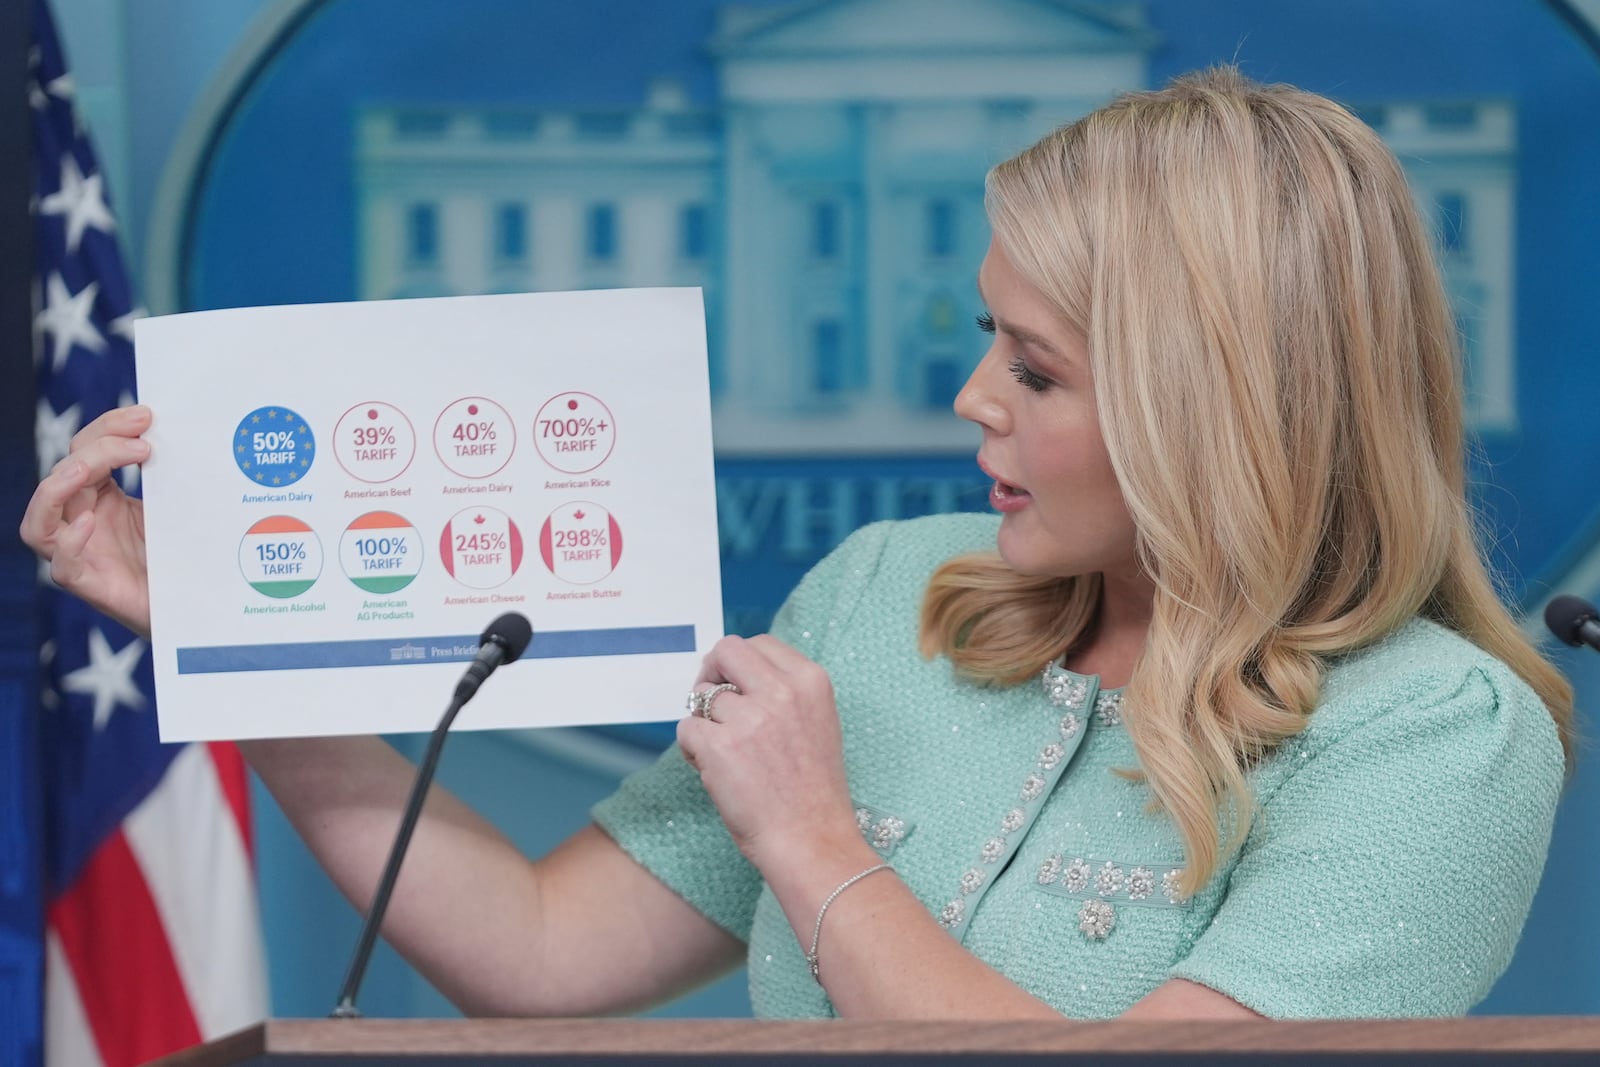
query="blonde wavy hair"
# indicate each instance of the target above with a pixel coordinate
(1276, 369)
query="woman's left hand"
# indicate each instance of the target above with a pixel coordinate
(770, 756)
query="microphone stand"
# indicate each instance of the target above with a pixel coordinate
(503, 642)
(346, 1006)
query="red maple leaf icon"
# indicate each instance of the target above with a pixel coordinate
(479, 519)
(578, 515)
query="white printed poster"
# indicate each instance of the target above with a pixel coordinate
(341, 497)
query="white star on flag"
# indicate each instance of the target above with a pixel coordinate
(122, 325)
(52, 434)
(108, 678)
(66, 318)
(81, 200)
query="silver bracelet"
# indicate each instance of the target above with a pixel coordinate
(816, 933)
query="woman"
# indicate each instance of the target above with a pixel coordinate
(1222, 719)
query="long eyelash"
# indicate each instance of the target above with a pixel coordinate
(1020, 371)
(986, 322)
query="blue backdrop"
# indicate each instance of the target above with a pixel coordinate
(403, 119)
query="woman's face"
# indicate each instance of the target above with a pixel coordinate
(1032, 394)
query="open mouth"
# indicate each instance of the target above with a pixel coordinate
(1004, 496)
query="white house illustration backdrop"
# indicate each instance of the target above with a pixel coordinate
(831, 203)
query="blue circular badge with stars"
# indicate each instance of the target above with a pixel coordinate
(274, 447)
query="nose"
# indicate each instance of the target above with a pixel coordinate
(979, 401)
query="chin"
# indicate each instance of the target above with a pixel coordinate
(1026, 556)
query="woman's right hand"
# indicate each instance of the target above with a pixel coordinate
(88, 528)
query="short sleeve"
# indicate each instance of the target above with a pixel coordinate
(1390, 873)
(661, 814)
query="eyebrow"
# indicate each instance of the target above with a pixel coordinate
(1022, 333)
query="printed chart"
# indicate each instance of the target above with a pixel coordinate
(327, 544)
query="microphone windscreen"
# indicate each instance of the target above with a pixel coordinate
(1565, 614)
(512, 631)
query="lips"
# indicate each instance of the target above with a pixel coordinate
(1012, 487)
(1004, 496)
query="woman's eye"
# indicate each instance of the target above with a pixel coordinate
(1021, 372)
(986, 322)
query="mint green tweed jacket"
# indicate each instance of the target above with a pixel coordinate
(1388, 871)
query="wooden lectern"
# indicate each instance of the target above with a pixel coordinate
(1523, 1041)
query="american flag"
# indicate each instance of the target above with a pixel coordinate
(152, 941)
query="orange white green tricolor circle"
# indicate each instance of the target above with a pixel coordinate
(481, 547)
(381, 552)
(280, 557)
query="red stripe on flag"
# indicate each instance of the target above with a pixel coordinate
(235, 781)
(117, 951)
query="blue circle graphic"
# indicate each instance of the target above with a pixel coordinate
(274, 446)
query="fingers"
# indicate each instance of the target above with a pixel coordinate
(109, 442)
(766, 668)
(118, 422)
(800, 673)
(747, 662)
(46, 512)
(777, 651)
(706, 694)
(70, 487)
(699, 737)
(103, 451)
(691, 737)
(66, 562)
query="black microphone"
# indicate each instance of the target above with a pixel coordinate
(502, 642)
(1574, 620)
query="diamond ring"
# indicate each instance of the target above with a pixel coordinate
(699, 702)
